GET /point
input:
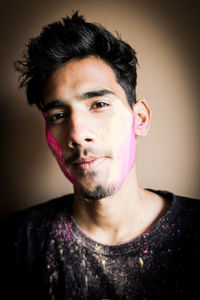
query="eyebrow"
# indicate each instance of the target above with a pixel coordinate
(53, 104)
(84, 96)
(92, 94)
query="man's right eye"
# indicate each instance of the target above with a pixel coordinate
(57, 118)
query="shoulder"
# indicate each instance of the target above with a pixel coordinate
(183, 210)
(48, 208)
(181, 201)
(188, 206)
(186, 214)
(38, 217)
(188, 200)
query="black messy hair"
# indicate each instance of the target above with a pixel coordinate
(73, 37)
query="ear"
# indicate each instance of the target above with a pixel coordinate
(142, 117)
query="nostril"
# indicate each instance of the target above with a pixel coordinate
(74, 144)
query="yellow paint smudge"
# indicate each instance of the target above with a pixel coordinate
(141, 261)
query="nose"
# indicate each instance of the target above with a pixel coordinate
(79, 131)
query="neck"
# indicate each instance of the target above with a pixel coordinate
(121, 217)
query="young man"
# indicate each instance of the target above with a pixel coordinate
(111, 238)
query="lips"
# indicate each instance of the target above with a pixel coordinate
(88, 163)
(85, 160)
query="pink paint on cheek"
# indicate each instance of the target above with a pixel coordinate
(127, 154)
(57, 151)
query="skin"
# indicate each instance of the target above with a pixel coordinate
(104, 126)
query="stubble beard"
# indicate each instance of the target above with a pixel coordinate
(99, 192)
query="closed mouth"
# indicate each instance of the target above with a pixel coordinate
(89, 164)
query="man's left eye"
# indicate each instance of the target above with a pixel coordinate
(99, 105)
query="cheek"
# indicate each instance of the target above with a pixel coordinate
(118, 135)
(57, 152)
(127, 152)
(122, 138)
(53, 145)
(129, 146)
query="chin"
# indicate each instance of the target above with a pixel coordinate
(99, 192)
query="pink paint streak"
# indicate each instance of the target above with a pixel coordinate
(57, 151)
(127, 155)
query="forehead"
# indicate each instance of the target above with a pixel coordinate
(79, 76)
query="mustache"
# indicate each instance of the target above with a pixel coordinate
(87, 152)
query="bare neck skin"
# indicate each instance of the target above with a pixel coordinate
(121, 217)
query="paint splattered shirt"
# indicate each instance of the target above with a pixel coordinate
(48, 256)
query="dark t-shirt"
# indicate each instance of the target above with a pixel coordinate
(47, 256)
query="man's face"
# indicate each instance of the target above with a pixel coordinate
(88, 119)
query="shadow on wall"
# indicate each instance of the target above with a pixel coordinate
(21, 151)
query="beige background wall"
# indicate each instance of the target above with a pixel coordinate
(165, 35)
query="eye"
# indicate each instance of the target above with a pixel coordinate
(57, 117)
(99, 105)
